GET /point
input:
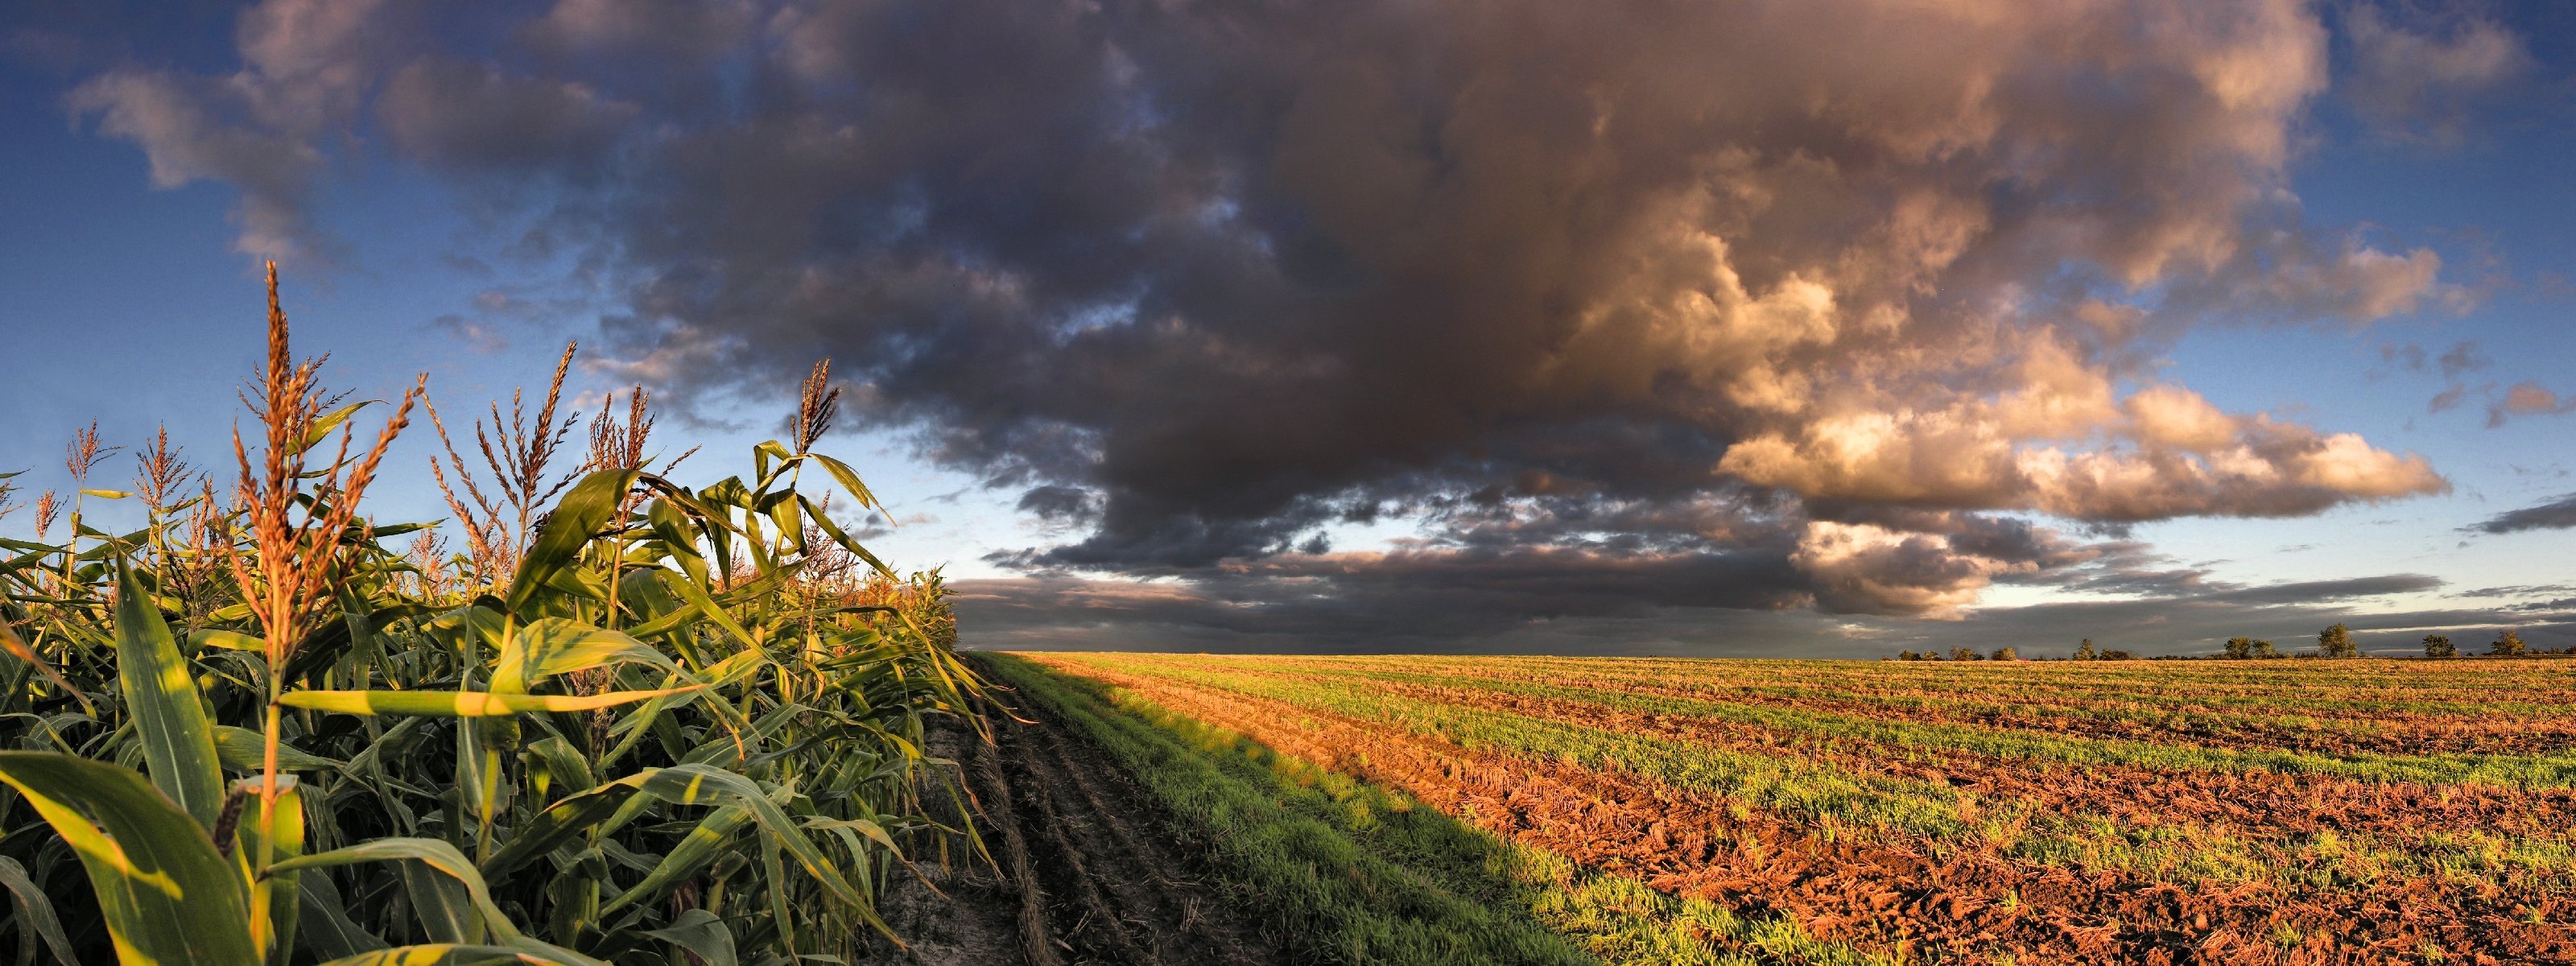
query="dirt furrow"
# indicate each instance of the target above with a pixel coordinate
(1962, 899)
(1090, 873)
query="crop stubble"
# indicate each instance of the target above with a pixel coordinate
(2346, 868)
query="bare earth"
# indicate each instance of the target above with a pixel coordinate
(1090, 872)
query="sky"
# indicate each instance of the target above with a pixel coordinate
(1796, 328)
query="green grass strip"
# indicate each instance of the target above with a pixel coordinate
(1360, 873)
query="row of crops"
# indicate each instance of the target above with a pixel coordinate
(2148, 813)
(620, 720)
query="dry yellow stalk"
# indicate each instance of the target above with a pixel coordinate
(48, 508)
(159, 472)
(816, 402)
(295, 563)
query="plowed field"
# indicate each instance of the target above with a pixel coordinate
(1650, 811)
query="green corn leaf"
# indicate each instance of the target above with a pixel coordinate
(227, 640)
(161, 693)
(700, 785)
(167, 897)
(451, 954)
(700, 932)
(564, 764)
(441, 902)
(35, 916)
(690, 591)
(849, 479)
(464, 704)
(18, 649)
(684, 860)
(581, 514)
(326, 929)
(242, 749)
(445, 859)
(274, 904)
(549, 646)
(774, 875)
(833, 530)
(325, 423)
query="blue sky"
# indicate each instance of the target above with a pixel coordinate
(470, 247)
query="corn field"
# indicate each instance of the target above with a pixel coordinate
(620, 720)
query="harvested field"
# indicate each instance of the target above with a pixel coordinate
(2207, 812)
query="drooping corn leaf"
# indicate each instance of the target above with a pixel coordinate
(700, 932)
(445, 859)
(684, 860)
(242, 749)
(18, 649)
(325, 928)
(167, 897)
(549, 646)
(36, 918)
(700, 785)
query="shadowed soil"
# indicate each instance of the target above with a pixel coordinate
(1088, 870)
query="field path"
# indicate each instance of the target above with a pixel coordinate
(1092, 876)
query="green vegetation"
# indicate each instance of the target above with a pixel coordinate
(1357, 873)
(1975, 784)
(2336, 641)
(2507, 644)
(632, 722)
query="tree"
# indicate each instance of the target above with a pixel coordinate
(2436, 645)
(2507, 644)
(2336, 641)
(1908, 656)
(2263, 649)
(2240, 648)
(2007, 654)
(2117, 655)
(2085, 652)
(1965, 654)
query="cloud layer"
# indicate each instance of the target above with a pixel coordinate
(1632, 304)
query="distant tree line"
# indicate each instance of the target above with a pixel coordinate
(2333, 642)
(2082, 653)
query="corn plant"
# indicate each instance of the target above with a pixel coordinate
(635, 722)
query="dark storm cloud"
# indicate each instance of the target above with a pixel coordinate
(1632, 293)
(1392, 601)
(2558, 514)
(2318, 591)
(1363, 611)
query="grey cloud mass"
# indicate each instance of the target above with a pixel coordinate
(2558, 514)
(1634, 307)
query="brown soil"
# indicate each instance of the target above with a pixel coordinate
(1963, 903)
(2259, 804)
(1087, 872)
(2254, 805)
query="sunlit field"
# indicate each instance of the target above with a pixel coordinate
(1624, 810)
